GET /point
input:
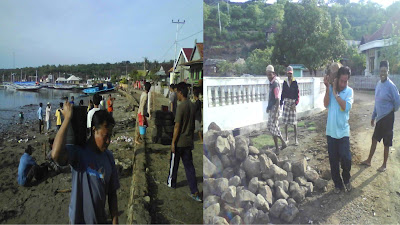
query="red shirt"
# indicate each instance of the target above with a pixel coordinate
(110, 106)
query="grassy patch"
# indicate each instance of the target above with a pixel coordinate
(262, 141)
(301, 124)
(311, 128)
(311, 124)
(290, 129)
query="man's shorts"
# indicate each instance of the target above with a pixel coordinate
(384, 130)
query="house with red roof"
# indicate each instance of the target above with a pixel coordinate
(180, 72)
(372, 45)
(195, 64)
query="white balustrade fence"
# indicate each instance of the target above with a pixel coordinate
(233, 102)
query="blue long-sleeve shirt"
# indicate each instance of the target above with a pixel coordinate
(387, 99)
(40, 113)
(25, 164)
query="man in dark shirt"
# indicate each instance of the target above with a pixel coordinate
(289, 100)
(182, 142)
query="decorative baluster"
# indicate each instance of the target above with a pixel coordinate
(241, 97)
(253, 94)
(217, 101)
(223, 99)
(229, 101)
(236, 94)
(210, 97)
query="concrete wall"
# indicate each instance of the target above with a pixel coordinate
(235, 102)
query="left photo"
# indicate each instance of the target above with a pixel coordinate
(101, 120)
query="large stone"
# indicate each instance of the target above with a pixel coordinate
(266, 192)
(291, 201)
(213, 126)
(220, 185)
(265, 163)
(209, 169)
(211, 200)
(210, 138)
(301, 181)
(297, 193)
(210, 212)
(252, 166)
(217, 162)
(311, 175)
(236, 220)
(242, 148)
(253, 150)
(226, 161)
(229, 209)
(229, 195)
(287, 166)
(261, 203)
(222, 145)
(234, 181)
(321, 183)
(289, 213)
(228, 172)
(220, 220)
(272, 156)
(208, 186)
(262, 217)
(280, 193)
(278, 207)
(299, 167)
(279, 174)
(253, 185)
(293, 185)
(289, 176)
(285, 185)
(310, 188)
(243, 196)
(250, 215)
(231, 141)
(270, 183)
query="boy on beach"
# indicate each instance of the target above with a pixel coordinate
(40, 116)
(48, 119)
(110, 104)
(58, 116)
(27, 168)
(94, 174)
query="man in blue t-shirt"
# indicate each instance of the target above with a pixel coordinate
(94, 175)
(40, 117)
(387, 101)
(338, 100)
(27, 167)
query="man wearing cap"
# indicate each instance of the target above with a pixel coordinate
(273, 107)
(48, 120)
(289, 100)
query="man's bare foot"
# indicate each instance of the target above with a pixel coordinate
(296, 143)
(381, 169)
(138, 142)
(366, 163)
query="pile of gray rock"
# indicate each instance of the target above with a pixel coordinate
(243, 184)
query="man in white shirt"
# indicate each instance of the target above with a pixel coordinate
(48, 120)
(96, 102)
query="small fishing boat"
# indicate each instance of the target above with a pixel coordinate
(99, 88)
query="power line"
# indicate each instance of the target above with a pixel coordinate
(190, 36)
(167, 51)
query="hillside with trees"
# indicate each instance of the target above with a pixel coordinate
(310, 32)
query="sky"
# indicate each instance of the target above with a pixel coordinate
(384, 3)
(69, 32)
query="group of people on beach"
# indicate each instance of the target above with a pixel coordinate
(338, 100)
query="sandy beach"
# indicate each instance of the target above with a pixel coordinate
(41, 203)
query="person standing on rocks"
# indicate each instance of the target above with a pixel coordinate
(273, 108)
(182, 142)
(48, 118)
(289, 99)
(94, 174)
(172, 99)
(387, 101)
(40, 116)
(142, 111)
(339, 100)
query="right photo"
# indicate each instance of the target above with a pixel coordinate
(299, 106)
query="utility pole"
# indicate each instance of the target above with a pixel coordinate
(13, 60)
(219, 16)
(176, 41)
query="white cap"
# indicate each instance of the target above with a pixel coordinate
(270, 68)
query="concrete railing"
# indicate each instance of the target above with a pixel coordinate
(234, 102)
(369, 82)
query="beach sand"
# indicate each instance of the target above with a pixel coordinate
(40, 203)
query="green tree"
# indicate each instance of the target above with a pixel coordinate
(392, 54)
(258, 60)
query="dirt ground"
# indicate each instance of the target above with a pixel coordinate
(39, 203)
(172, 205)
(375, 197)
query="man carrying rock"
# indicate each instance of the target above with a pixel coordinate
(289, 100)
(182, 142)
(273, 108)
(338, 100)
(387, 101)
